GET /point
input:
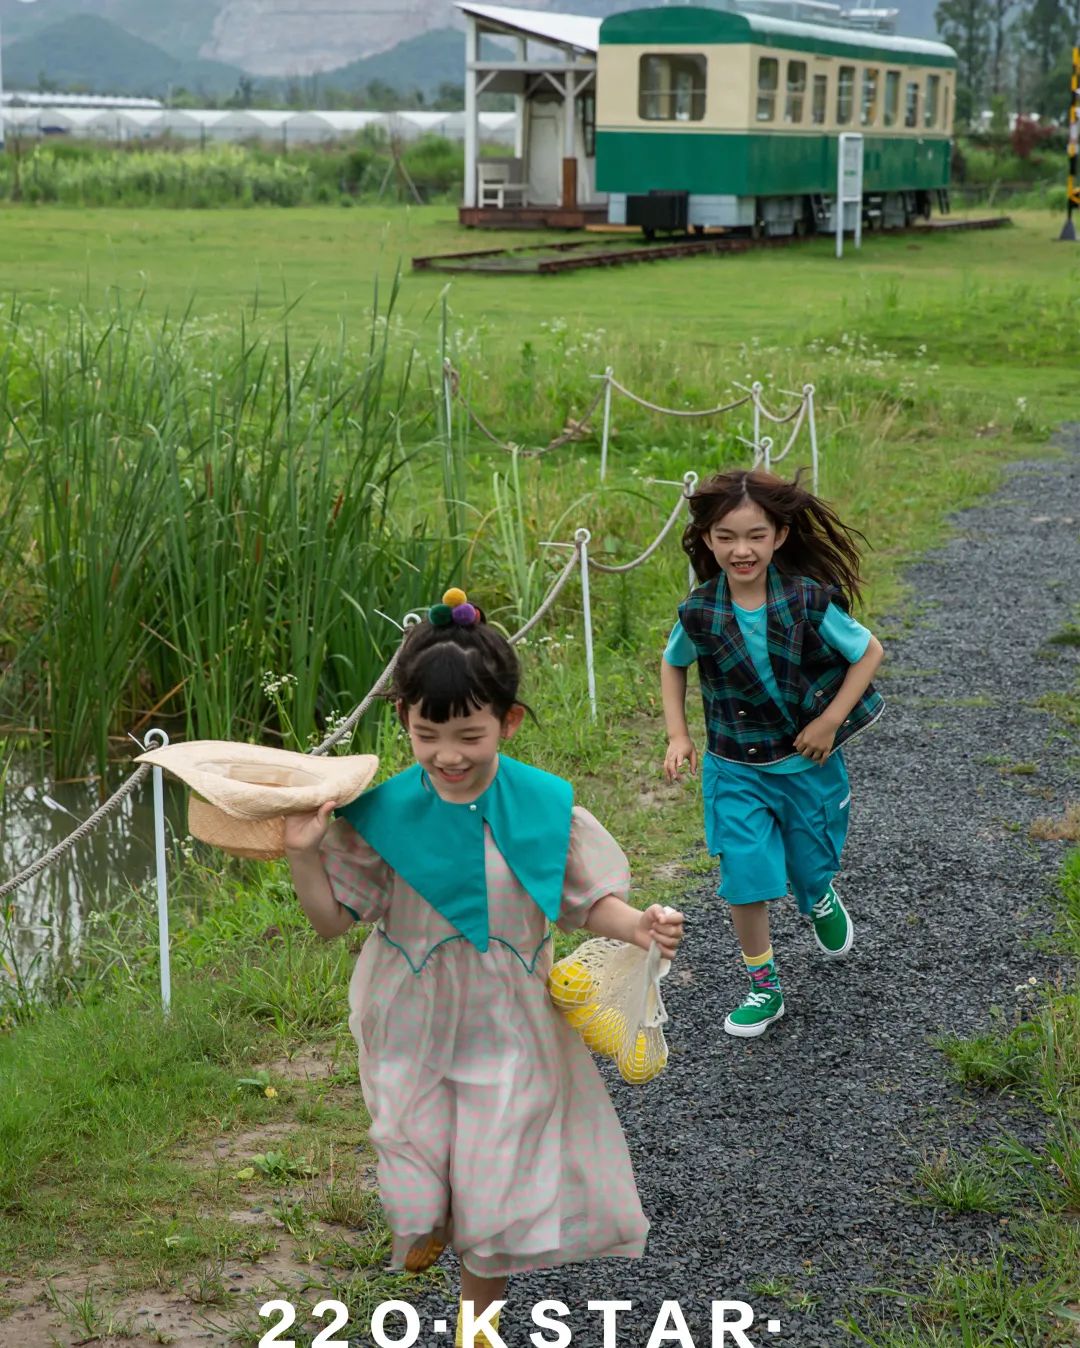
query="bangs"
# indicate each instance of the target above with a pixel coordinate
(445, 682)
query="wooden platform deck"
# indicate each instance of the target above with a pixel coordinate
(531, 217)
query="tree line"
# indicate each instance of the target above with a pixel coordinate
(1014, 54)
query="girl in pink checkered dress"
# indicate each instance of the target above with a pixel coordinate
(492, 1126)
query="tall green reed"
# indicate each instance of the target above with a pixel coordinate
(189, 524)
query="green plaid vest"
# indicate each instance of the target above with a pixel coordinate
(744, 724)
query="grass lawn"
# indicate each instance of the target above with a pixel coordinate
(971, 296)
(937, 359)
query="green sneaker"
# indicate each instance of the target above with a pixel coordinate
(761, 1006)
(834, 930)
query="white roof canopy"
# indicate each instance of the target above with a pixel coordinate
(563, 30)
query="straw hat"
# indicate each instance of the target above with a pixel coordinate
(241, 793)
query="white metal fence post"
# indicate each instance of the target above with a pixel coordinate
(608, 373)
(690, 481)
(158, 739)
(755, 394)
(808, 394)
(581, 538)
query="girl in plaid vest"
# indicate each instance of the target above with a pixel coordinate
(785, 675)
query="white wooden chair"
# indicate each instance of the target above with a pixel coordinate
(499, 182)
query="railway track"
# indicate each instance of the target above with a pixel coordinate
(548, 259)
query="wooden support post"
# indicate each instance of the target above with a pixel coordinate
(569, 182)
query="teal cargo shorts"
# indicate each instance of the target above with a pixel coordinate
(775, 832)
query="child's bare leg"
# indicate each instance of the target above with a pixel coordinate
(751, 923)
(481, 1291)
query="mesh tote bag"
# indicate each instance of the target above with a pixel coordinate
(609, 992)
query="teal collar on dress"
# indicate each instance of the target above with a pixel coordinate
(437, 846)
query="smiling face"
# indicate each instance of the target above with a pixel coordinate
(460, 755)
(743, 542)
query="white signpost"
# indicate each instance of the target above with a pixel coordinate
(849, 175)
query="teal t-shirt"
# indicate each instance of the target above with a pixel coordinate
(838, 630)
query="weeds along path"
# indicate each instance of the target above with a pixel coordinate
(790, 1160)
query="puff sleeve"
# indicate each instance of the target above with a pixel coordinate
(595, 867)
(360, 880)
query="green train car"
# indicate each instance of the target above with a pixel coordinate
(708, 117)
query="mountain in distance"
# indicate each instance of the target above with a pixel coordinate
(179, 27)
(146, 46)
(424, 63)
(89, 53)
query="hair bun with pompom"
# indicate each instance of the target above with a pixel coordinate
(455, 609)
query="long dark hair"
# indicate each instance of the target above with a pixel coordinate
(454, 671)
(818, 544)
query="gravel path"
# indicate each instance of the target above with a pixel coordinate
(792, 1156)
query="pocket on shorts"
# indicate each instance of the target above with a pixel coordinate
(835, 813)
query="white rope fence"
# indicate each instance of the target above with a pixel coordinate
(578, 428)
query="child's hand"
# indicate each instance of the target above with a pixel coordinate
(304, 832)
(680, 748)
(816, 740)
(662, 925)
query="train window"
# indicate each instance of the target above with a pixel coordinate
(796, 91)
(820, 104)
(671, 88)
(845, 94)
(911, 104)
(930, 105)
(892, 97)
(871, 81)
(768, 79)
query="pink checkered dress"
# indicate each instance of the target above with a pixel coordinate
(485, 1105)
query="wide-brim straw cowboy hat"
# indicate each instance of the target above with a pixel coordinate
(241, 793)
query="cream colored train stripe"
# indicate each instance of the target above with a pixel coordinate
(731, 91)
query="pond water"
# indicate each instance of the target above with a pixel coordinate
(113, 865)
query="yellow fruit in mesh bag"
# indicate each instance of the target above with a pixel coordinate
(605, 1033)
(570, 985)
(641, 1064)
(577, 1016)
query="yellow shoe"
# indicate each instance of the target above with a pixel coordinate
(424, 1251)
(481, 1340)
